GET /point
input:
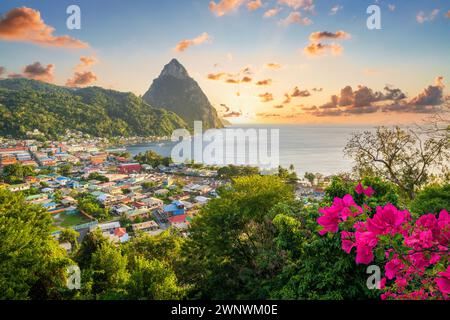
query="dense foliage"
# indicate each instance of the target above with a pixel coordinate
(254, 242)
(32, 265)
(26, 105)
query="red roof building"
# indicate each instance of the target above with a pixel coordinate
(120, 232)
(129, 168)
(178, 219)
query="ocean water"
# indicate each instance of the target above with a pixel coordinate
(310, 148)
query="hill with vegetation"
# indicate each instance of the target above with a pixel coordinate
(27, 105)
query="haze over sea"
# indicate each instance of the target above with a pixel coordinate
(310, 148)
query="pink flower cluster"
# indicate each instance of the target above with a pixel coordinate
(415, 253)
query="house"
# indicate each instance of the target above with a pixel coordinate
(121, 209)
(73, 184)
(36, 198)
(19, 187)
(98, 158)
(62, 180)
(121, 234)
(118, 235)
(106, 227)
(179, 222)
(128, 168)
(176, 208)
(161, 192)
(7, 160)
(201, 200)
(138, 214)
(153, 203)
(49, 206)
(145, 226)
(105, 199)
(68, 201)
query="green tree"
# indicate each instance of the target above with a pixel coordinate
(310, 177)
(97, 176)
(109, 272)
(32, 265)
(241, 262)
(153, 280)
(16, 173)
(432, 199)
(71, 236)
(400, 156)
(150, 157)
(65, 169)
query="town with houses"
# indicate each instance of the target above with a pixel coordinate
(136, 196)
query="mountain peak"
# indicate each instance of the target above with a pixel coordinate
(175, 69)
(176, 91)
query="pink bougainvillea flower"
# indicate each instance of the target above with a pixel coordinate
(348, 242)
(359, 188)
(443, 282)
(369, 192)
(387, 219)
(419, 261)
(393, 267)
(444, 228)
(382, 283)
(401, 283)
(364, 254)
(350, 208)
(365, 242)
(329, 221)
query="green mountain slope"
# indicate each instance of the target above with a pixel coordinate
(26, 105)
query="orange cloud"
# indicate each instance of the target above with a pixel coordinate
(85, 62)
(254, 5)
(266, 97)
(185, 44)
(295, 18)
(265, 82)
(246, 79)
(300, 93)
(232, 81)
(317, 49)
(307, 5)
(324, 35)
(26, 25)
(224, 6)
(271, 12)
(279, 106)
(82, 79)
(216, 76)
(448, 14)
(272, 65)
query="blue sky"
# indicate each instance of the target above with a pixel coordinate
(132, 40)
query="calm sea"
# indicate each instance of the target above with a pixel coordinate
(310, 148)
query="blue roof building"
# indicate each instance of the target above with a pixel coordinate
(176, 208)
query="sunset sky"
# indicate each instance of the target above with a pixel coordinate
(295, 61)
